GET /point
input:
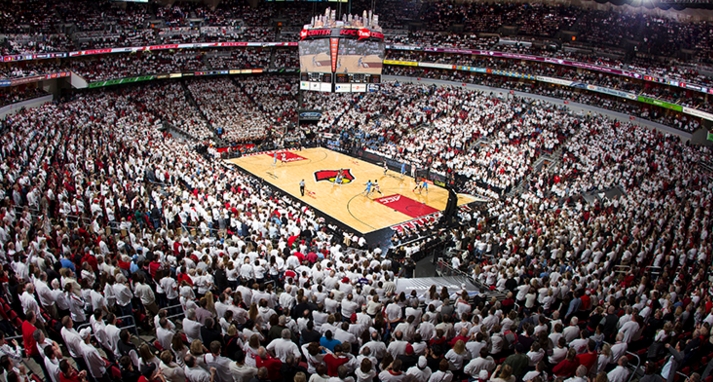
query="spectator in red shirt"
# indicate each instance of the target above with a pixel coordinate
(312, 257)
(28, 329)
(154, 265)
(568, 366)
(589, 358)
(586, 302)
(272, 365)
(70, 374)
(184, 277)
(89, 258)
(335, 360)
(463, 336)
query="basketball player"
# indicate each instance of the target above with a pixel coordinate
(368, 188)
(339, 179)
(403, 169)
(274, 160)
(424, 186)
(386, 168)
(417, 186)
(376, 188)
(284, 157)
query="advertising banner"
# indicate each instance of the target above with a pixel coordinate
(27, 80)
(698, 113)
(614, 92)
(343, 88)
(656, 102)
(556, 81)
(434, 65)
(403, 63)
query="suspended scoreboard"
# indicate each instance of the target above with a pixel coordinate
(341, 60)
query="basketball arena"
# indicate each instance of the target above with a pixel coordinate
(356, 191)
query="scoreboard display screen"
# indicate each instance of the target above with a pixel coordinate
(340, 59)
(343, 78)
(360, 56)
(314, 56)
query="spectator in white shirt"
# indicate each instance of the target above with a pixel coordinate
(397, 347)
(284, 346)
(172, 371)
(191, 327)
(580, 375)
(94, 361)
(220, 364)
(621, 372)
(123, 296)
(73, 341)
(144, 292)
(164, 333)
(618, 349)
(11, 350)
(52, 363)
(195, 373)
(572, 331)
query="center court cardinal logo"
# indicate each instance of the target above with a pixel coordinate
(331, 176)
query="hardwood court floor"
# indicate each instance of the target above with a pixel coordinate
(347, 203)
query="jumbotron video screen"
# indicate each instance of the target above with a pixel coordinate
(341, 55)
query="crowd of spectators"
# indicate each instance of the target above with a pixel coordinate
(16, 95)
(650, 34)
(275, 97)
(98, 205)
(666, 117)
(36, 27)
(27, 70)
(31, 44)
(285, 59)
(107, 67)
(659, 91)
(169, 102)
(234, 116)
(240, 59)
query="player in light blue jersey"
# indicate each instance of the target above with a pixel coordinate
(368, 188)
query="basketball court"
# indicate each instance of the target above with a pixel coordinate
(347, 203)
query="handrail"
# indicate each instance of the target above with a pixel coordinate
(638, 364)
(630, 354)
(133, 325)
(176, 315)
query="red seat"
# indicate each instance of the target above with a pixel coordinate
(157, 345)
